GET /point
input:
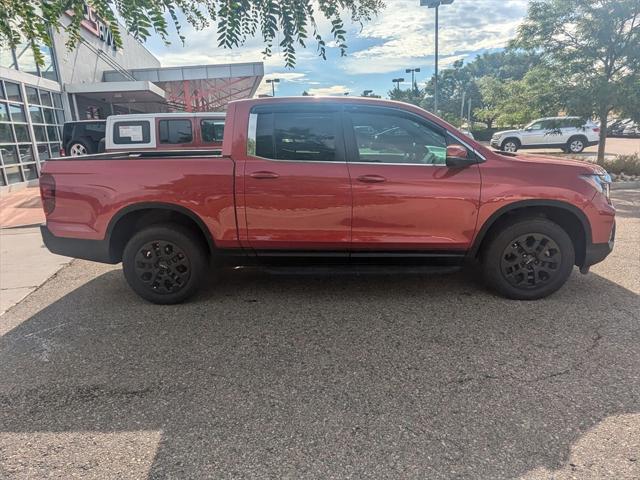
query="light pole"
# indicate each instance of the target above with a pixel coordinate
(397, 81)
(435, 4)
(273, 81)
(412, 71)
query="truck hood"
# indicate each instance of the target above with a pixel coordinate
(581, 166)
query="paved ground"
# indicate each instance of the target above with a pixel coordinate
(335, 377)
(21, 207)
(25, 264)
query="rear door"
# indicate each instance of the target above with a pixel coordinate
(404, 196)
(297, 193)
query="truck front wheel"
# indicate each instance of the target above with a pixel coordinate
(528, 259)
(165, 264)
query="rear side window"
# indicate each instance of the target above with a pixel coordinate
(131, 132)
(175, 131)
(212, 130)
(303, 136)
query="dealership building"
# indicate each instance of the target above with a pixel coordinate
(93, 81)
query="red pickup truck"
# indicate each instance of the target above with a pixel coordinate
(335, 182)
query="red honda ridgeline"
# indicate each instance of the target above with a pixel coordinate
(336, 182)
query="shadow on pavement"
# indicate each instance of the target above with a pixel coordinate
(269, 376)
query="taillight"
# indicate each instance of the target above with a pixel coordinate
(62, 152)
(597, 129)
(48, 193)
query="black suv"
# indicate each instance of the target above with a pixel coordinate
(82, 138)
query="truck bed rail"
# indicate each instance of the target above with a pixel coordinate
(144, 154)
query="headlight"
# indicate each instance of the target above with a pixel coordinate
(601, 182)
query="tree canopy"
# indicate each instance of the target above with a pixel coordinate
(592, 48)
(293, 22)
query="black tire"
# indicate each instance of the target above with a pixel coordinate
(165, 263)
(534, 272)
(576, 144)
(79, 147)
(510, 145)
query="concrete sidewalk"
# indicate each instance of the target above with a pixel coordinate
(25, 264)
(21, 207)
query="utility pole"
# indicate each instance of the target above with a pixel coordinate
(464, 94)
(435, 4)
(273, 81)
(397, 81)
(412, 71)
(469, 116)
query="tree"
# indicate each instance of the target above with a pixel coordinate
(409, 95)
(494, 94)
(593, 46)
(290, 21)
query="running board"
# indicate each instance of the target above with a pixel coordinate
(356, 270)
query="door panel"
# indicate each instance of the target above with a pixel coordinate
(300, 197)
(404, 197)
(416, 207)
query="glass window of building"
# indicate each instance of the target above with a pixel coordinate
(13, 91)
(26, 59)
(21, 116)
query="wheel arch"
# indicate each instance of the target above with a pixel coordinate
(512, 137)
(132, 218)
(568, 216)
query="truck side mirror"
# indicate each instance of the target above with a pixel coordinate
(458, 157)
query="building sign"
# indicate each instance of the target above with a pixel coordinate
(94, 25)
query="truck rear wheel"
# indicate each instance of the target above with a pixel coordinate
(165, 264)
(528, 259)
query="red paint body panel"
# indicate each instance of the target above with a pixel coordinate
(301, 205)
(416, 207)
(90, 193)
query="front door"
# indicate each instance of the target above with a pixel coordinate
(404, 196)
(297, 192)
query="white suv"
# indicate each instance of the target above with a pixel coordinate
(571, 134)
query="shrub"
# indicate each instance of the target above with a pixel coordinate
(627, 164)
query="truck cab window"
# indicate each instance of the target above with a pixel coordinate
(296, 136)
(175, 131)
(389, 138)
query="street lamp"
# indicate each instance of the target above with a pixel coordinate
(435, 4)
(412, 71)
(397, 81)
(273, 81)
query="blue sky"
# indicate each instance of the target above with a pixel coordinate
(401, 36)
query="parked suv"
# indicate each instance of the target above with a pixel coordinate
(344, 183)
(82, 137)
(571, 134)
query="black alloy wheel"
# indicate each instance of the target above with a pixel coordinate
(531, 260)
(163, 266)
(528, 258)
(165, 263)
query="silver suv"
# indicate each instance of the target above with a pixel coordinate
(571, 134)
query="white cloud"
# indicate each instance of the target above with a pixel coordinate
(404, 33)
(332, 90)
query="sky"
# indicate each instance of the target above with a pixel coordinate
(401, 36)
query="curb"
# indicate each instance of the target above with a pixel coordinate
(625, 185)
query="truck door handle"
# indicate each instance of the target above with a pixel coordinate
(371, 179)
(264, 175)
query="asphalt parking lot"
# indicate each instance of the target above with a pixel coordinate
(334, 377)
